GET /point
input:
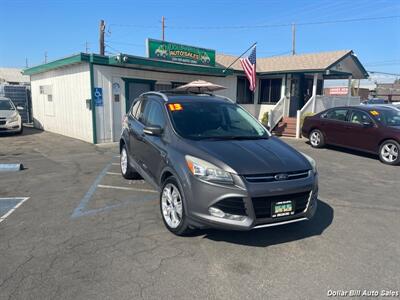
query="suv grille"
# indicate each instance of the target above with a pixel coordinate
(272, 177)
(233, 206)
(263, 205)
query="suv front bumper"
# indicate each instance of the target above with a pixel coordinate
(202, 195)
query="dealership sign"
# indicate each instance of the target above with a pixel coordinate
(337, 91)
(180, 53)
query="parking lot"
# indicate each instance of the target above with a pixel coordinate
(86, 233)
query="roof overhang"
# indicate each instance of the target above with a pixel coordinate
(348, 64)
(132, 62)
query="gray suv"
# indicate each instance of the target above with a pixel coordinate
(214, 164)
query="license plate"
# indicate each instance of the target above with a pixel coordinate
(282, 208)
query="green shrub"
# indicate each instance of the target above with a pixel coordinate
(307, 114)
(264, 119)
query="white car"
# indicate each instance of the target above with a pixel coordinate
(10, 119)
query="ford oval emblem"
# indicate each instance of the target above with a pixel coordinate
(281, 176)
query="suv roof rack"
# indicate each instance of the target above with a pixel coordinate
(159, 94)
(164, 94)
(174, 92)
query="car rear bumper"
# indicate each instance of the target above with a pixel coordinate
(257, 201)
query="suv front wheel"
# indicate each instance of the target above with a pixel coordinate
(172, 207)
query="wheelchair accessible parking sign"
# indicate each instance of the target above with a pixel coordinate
(98, 96)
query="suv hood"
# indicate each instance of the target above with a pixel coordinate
(6, 113)
(247, 157)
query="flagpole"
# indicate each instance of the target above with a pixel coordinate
(239, 57)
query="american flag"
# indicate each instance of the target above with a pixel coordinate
(249, 67)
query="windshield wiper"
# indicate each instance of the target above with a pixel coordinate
(233, 137)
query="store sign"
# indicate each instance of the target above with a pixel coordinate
(337, 91)
(180, 53)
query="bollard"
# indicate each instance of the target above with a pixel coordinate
(11, 167)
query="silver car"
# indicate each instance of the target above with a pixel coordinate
(10, 119)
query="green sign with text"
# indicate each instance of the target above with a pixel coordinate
(180, 53)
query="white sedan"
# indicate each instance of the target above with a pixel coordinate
(10, 119)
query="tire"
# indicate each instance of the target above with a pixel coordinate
(172, 207)
(389, 152)
(316, 138)
(22, 130)
(126, 170)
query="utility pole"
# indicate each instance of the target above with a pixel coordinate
(26, 62)
(86, 47)
(163, 27)
(293, 39)
(101, 39)
(45, 57)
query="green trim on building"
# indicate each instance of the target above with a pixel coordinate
(92, 103)
(78, 58)
(131, 62)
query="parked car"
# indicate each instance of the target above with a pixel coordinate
(369, 128)
(374, 101)
(10, 119)
(396, 104)
(214, 164)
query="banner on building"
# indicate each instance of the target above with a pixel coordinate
(180, 53)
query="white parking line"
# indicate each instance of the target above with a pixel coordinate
(125, 188)
(23, 199)
(115, 164)
(113, 173)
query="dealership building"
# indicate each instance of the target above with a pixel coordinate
(85, 96)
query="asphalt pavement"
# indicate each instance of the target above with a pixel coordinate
(86, 233)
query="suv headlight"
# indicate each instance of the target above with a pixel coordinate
(207, 171)
(312, 162)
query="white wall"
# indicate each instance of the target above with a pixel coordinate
(68, 114)
(105, 76)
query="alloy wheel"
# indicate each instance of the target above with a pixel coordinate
(389, 152)
(315, 138)
(171, 205)
(124, 161)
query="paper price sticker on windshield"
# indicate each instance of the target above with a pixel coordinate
(175, 106)
(374, 112)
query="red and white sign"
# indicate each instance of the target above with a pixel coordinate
(337, 91)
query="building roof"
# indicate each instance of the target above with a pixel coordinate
(339, 63)
(321, 61)
(13, 75)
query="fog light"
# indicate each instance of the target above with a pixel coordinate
(216, 212)
(234, 217)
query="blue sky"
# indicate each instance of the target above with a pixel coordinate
(29, 28)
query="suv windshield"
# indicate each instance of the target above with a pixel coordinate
(6, 105)
(214, 120)
(389, 117)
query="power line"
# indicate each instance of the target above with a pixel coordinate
(385, 73)
(263, 25)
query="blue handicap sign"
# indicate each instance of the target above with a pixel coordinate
(98, 96)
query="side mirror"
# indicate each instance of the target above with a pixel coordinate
(20, 108)
(153, 130)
